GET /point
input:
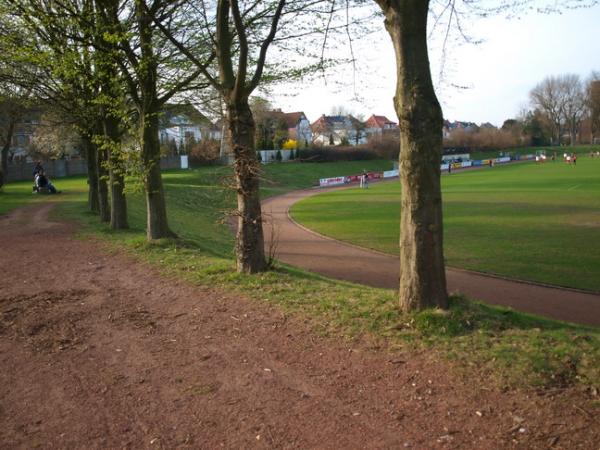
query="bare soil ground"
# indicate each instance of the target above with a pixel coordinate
(99, 351)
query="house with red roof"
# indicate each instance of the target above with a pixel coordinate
(377, 126)
(279, 125)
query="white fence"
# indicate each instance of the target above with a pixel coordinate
(268, 156)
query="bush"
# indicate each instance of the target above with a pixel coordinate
(290, 144)
(278, 156)
(484, 138)
(324, 154)
(386, 146)
(168, 148)
(205, 153)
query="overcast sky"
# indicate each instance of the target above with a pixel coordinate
(498, 73)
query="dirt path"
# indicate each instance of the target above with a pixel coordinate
(303, 248)
(98, 351)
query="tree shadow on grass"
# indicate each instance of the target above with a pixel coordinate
(467, 316)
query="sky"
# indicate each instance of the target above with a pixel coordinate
(485, 82)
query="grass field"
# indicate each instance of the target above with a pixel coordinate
(13, 195)
(527, 221)
(507, 347)
(198, 200)
(580, 150)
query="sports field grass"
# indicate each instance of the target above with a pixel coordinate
(581, 150)
(527, 221)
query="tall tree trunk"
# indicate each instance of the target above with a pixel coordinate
(250, 247)
(4, 152)
(4, 163)
(103, 201)
(157, 223)
(118, 202)
(422, 273)
(149, 108)
(4, 156)
(92, 173)
(573, 133)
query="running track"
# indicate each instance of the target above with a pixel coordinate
(303, 248)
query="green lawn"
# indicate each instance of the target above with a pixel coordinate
(282, 178)
(16, 194)
(527, 221)
(507, 347)
(199, 202)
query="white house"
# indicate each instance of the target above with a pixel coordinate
(298, 127)
(184, 123)
(335, 130)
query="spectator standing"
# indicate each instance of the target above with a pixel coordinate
(364, 180)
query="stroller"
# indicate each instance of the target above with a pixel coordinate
(42, 184)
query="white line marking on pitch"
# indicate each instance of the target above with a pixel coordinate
(573, 187)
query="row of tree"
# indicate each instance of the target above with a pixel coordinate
(111, 65)
(563, 103)
(564, 109)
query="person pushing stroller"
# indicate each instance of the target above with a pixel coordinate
(42, 182)
(37, 168)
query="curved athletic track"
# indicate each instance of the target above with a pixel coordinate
(303, 248)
